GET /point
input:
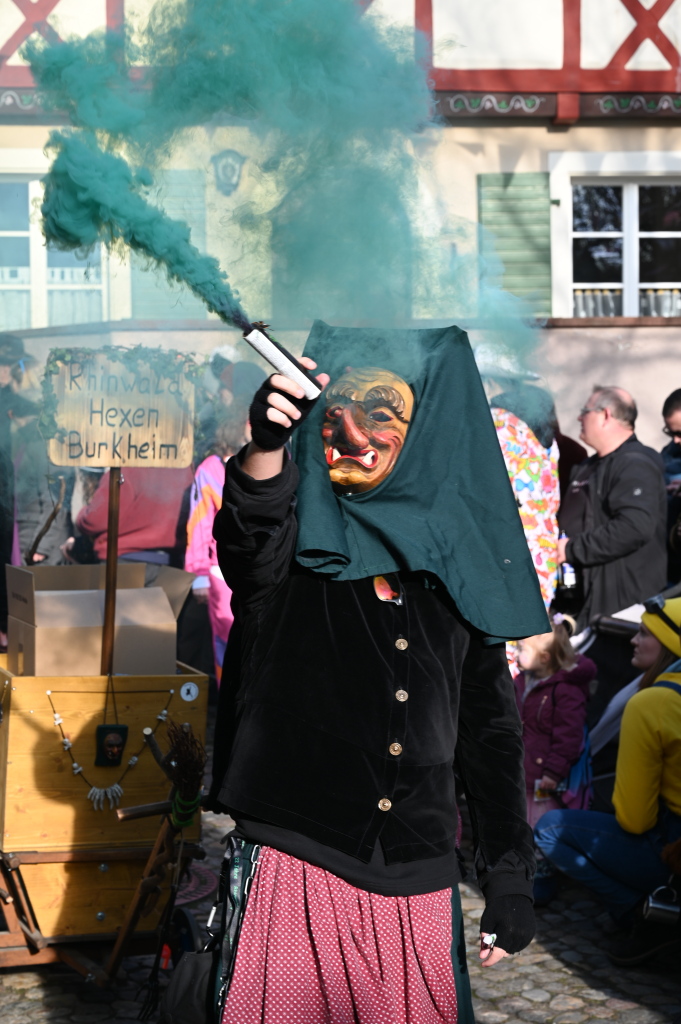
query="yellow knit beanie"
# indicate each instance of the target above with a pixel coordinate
(667, 636)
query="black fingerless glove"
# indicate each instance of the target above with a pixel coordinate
(268, 435)
(512, 918)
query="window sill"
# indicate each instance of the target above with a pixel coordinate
(613, 321)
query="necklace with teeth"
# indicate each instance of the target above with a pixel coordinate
(98, 794)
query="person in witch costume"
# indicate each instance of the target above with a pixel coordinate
(376, 576)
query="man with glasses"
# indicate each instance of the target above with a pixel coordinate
(614, 512)
(671, 456)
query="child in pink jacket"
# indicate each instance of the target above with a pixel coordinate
(552, 689)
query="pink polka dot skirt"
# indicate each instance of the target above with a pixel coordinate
(315, 950)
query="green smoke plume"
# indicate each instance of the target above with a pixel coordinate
(334, 104)
(330, 101)
(91, 196)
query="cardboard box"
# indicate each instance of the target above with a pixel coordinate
(24, 581)
(56, 614)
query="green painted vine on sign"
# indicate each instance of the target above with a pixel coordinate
(165, 364)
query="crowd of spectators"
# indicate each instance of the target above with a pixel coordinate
(605, 534)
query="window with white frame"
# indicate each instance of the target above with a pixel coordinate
(626, 249)
(15, 261)
(41, 286)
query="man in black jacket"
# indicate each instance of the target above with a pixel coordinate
(374, 578)
(614, 512)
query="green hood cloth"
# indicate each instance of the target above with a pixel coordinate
(447, 508)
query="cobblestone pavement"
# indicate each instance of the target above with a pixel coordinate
(565, 976)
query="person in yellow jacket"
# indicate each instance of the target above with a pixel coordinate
(648, 776)
(620, 856)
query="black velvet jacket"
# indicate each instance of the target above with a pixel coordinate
(348, 713)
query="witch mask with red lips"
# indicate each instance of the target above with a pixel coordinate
(368, 411)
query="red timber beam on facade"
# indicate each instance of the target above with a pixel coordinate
(35, 20)
(571, 78)
(115, 14)
(647, 27)
(35, 14)
(564, 94)
(567, 101)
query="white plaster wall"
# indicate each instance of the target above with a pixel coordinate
(69, 18)
(644, 360)
(11, 19)
(400, 13)
(648, 57)
(453, 158)
(75, 18)
(498, 34)
(670, 23)
(605, 25)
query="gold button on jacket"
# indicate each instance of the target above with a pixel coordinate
(401, 695)
(384, 804)
(395, 748)
(401, 644)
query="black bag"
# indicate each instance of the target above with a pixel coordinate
(188, 998)
(199, 984)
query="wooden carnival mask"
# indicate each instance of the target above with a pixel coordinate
(368, 411)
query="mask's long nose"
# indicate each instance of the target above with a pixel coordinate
(349, 431)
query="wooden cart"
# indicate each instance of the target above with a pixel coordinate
(69, 873)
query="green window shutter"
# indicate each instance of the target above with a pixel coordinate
(182, 194)
(514, 210)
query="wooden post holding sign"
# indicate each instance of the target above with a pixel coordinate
(116, 408)
(111, 571)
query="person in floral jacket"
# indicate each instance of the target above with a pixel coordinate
(533, 472)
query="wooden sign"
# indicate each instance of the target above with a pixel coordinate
(114, 411)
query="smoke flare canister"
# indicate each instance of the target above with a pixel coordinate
(283, 362)
(567, 577)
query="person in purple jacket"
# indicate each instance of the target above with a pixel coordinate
(552, 689)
